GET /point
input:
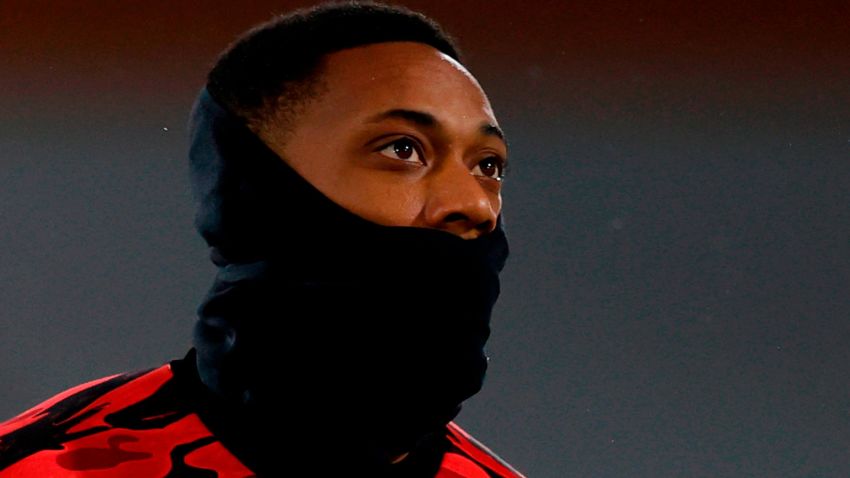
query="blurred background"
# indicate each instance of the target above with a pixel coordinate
(677, 300)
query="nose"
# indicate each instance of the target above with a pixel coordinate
(458, 203)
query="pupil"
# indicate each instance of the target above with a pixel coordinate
(404, 150)
(489, 168)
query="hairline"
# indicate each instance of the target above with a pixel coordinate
(284, 120)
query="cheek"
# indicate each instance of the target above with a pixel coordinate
(381, 198)
(313, 162)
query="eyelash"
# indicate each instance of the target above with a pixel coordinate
(417, 147)
(501, 163)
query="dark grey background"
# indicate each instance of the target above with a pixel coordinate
(677, 299)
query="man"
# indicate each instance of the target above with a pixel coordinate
(347, 171)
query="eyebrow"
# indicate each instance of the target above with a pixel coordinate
(428, 120)
(493, 130)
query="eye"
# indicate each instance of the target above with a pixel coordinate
(404, 149)
(492, 167)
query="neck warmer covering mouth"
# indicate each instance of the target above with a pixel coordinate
(321, 319)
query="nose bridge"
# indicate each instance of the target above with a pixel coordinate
(457, 202)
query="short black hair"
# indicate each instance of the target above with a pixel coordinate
(274, 67)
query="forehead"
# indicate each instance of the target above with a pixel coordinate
(363, 80)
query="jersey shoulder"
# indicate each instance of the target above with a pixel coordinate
(133, 424)
(469, 458)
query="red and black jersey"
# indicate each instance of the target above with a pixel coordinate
(142, 425)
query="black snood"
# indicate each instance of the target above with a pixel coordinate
(322, 323)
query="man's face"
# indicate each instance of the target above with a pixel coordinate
(401, 135)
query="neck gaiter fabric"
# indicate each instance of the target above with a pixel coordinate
(321, 323)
